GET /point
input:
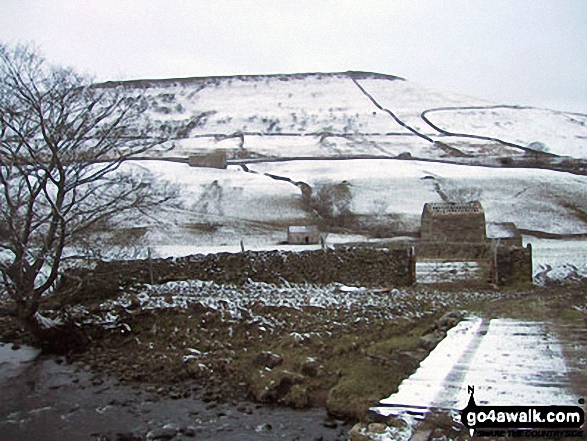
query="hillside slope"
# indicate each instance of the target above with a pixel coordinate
(335, 114)
(393, 144)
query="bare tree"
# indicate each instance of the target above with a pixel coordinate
(333, 204)
(63, 145)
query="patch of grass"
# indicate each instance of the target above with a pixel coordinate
(361, 386)
(395, 344)
(571, 315)
(532, 303)
(346, 345)
(523, 308)
(204, 227)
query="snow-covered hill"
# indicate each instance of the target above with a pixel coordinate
(337, 114)
(319, 124)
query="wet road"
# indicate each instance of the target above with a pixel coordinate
(509, 362)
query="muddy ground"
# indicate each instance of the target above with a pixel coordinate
(183, 361)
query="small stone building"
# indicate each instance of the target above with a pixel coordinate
(458, 222)
(303, 235)
(215, 159)
(504, 234)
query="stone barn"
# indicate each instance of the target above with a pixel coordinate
(215, 159)
(303, 235)
(453, 222)
(504, 234)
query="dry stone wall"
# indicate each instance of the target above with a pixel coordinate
(352, 266)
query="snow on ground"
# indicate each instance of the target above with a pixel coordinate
(386, 185)
(408, 100)
(533, 199)
(270, 241)
(436, 271)
(222, 208)
(310, 145)
(230, 193)
(558, 259)
(270, 104)
(355, 144)
(296, 112)
(218, 210)
(207, 110)
(509, 362)
(563, 133)
(238, 303)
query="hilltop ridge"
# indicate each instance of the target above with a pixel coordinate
(149, 82)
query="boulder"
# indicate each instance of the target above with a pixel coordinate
(268, 359)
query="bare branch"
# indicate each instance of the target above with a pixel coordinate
(63, 144)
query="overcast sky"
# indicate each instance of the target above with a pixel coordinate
(528, 52)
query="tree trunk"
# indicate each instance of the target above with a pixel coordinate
(53, 336)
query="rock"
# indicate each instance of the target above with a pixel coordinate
(128, 436)
(397, 423)
(175, 395)
(449, 320)
(264, 428)
(189, 431)
(297, 397)
(310, 367)
(430, 340)
(356, 433)
(168, 431)
(268, 359)
(377, 428)
(329, 423)
(279, 387)
(375, 417)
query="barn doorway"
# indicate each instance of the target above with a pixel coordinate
(440, 270)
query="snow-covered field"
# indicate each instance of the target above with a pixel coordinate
(408, 100)
(222, 208)
(295, 111)
(332, 115)
(533, 199)
(558, 259)
(563, 134)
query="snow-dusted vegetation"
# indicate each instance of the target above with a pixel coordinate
(331, 115)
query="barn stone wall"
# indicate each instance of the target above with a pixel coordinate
(512, 266)
(464, 227)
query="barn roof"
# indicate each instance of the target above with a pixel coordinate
(452, 208)
(502, 230)
(303, 229)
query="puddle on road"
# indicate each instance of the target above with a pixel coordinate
(509, 362)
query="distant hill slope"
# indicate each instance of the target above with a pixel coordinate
(347, 113)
